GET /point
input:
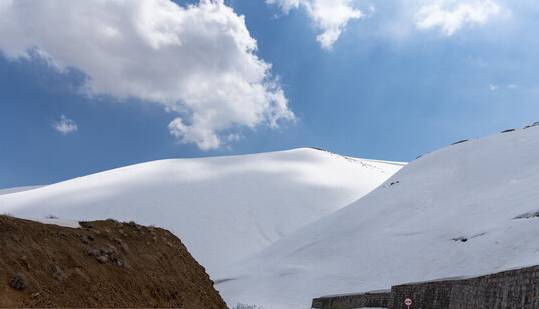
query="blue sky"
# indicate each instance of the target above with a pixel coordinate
(385, 89)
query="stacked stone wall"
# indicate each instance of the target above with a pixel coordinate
(506, 290)
(379, 299)
(512, 289)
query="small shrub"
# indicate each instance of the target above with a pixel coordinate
(86, 224)
(18, 282)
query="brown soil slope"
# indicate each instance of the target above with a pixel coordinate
(103, 264)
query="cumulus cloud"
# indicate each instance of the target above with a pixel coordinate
(65, 125)
(198, 61)
(330, 16)
(451, 16)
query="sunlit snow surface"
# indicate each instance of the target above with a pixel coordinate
(450, 213)
(17, 189)
(223, 208)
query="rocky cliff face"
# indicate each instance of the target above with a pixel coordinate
(101, 264)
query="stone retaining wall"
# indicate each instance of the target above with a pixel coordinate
(512, 289)
(378, 299)
(506, 290)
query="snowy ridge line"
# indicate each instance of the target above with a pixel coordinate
(466, 140)
(389, 162)
(358, 159)
(18, 189)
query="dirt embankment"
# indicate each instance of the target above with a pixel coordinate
(103, 264)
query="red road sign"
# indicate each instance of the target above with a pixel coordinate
(408, 302)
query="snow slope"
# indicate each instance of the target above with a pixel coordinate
(468, 209)
(17, 189)
(223, 208)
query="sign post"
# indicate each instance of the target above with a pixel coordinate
(408, 302)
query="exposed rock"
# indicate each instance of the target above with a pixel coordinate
(57, 273)
(102, 259)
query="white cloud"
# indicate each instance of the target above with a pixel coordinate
(451, 16)
(65, 125)
(512, 86)
(197, 61)
(494, 87)
(330, 16)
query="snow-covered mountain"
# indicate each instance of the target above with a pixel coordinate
(223, 208)
(468, 209)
